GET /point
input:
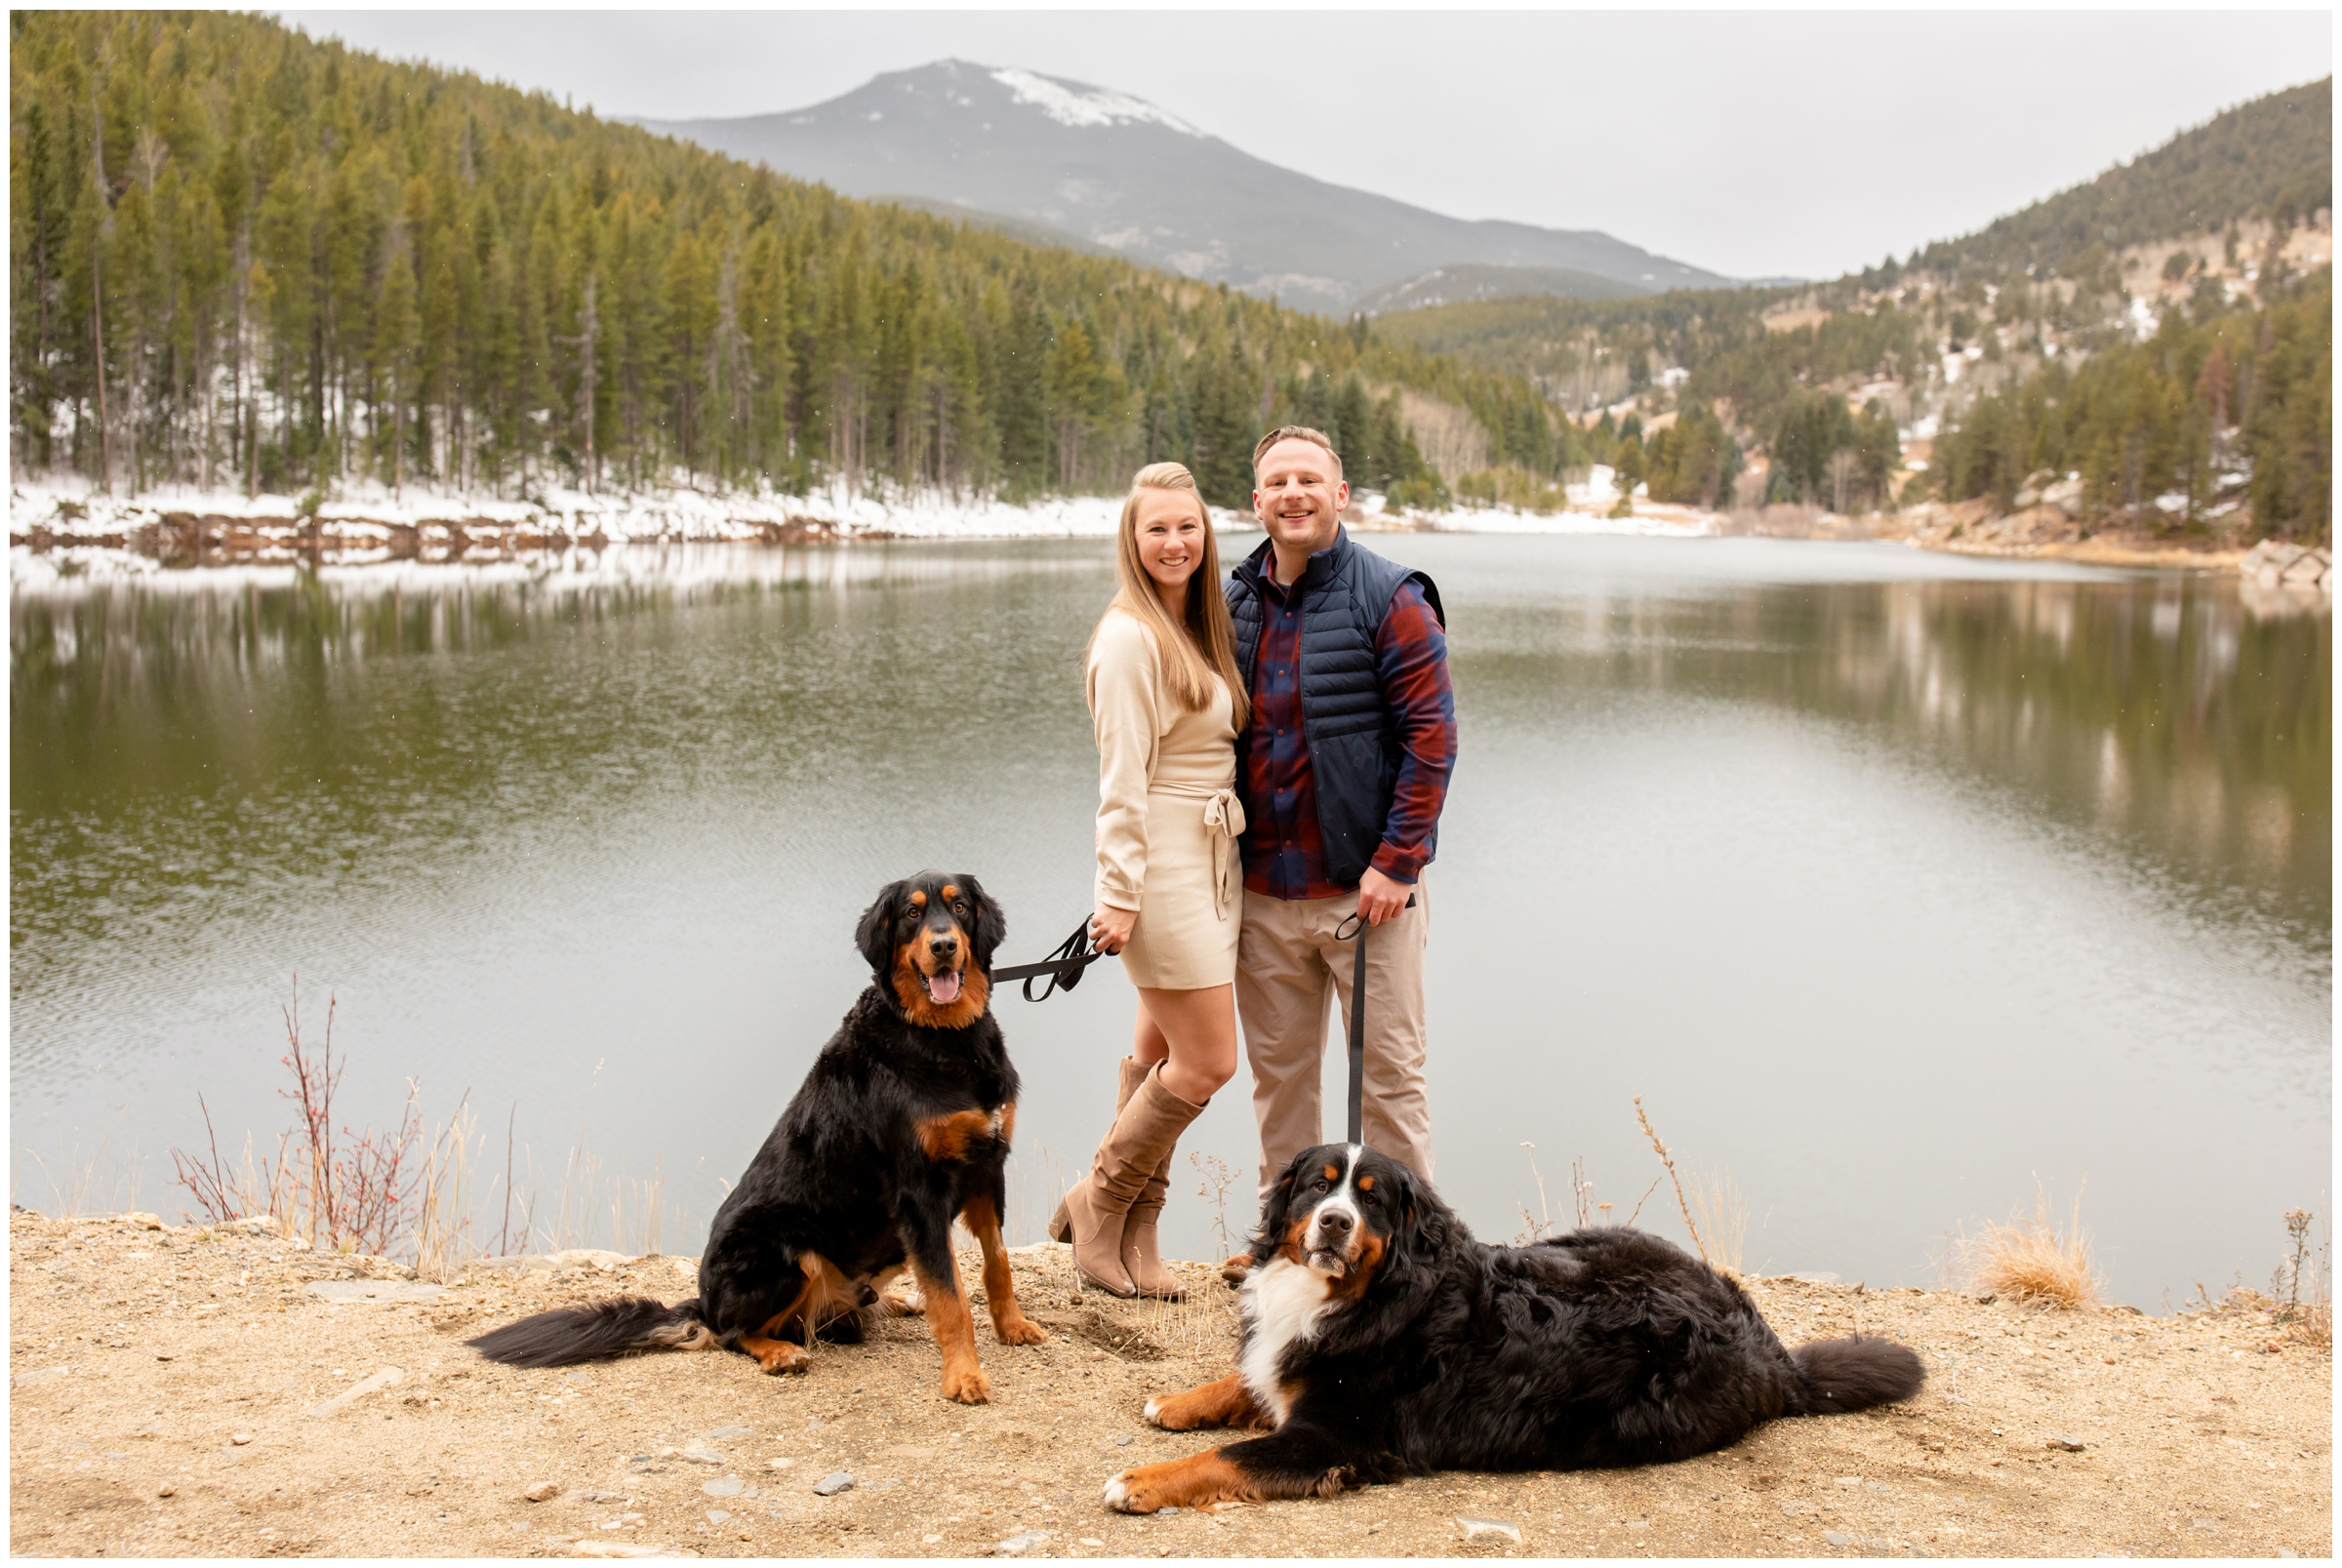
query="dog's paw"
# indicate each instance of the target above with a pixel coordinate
(1123, 1495)
(784, 1357)
(1154, 1414)
(904, 1302)
(967, 1384)
(1020, 1331)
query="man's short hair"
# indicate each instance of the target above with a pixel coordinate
(1296, 433)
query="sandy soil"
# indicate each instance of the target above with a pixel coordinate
(183, 1392)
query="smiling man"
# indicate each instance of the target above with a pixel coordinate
(1343, 771)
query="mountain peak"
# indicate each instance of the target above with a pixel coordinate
(1116, 171)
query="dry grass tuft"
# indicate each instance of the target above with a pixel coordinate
(2031, 1260)
(1724, 1215)
(2301, 1295)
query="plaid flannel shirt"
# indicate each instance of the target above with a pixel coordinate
(1284, 849)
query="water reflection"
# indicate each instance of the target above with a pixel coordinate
(2158, 711)
(1915, 829)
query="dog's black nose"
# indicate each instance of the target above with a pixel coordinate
(1335, 1221)
(943, 947)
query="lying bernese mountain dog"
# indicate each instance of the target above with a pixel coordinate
(901, 1125)
(1381, 1341)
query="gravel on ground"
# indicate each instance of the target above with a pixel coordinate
(219, 1392)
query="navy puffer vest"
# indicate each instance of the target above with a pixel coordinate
(1349, 729)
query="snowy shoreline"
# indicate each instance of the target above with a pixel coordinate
(66, 527)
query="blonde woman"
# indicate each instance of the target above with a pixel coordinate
(1168, 704)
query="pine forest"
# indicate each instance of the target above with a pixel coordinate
(241, 257)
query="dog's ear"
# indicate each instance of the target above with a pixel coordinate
(875, 934)
(1273, 1213)
(989, 928)
(1418, 1226)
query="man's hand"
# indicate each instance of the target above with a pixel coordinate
(1381, 896)
(1110, 926)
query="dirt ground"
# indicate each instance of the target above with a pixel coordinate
(184, 1392)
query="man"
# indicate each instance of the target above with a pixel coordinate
(1343, 769)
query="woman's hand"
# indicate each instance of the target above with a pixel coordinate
(1110, 926)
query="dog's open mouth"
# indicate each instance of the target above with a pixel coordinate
(1326, 1260)
(942, 989)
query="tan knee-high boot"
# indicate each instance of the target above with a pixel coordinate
(1142, 1137)
(1141, 1259)
(1129, 1071)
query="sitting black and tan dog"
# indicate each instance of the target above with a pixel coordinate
(901, 1125)
(1381, 1341)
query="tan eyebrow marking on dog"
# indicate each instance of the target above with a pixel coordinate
(918, 898)
(1365, 1183)
(1333, 1173)
(951, 890)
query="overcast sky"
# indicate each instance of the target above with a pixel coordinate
(1749, 143)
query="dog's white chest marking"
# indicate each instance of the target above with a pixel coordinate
(1282, 1302)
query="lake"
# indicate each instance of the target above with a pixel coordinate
(1901, 887)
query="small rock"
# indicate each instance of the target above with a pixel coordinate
(723, 1486)
(164, 1355)
(1122, 1441)
(1838, 1540)
(719, 1515)
(724, 1435)
(1168, 1508)
(143, 1222)
(2064, 1445)
(1020, 1542)
(1482, 1529)
(702, 1454)
(543, 1491)
(239, 1438)
(167, 1489)
(45, 1375)
(780, 1463)
(834, 1482)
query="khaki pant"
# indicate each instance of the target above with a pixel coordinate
(1290, 974)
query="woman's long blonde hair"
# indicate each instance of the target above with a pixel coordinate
(1201, 643)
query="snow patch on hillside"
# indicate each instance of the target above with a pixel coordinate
(1068, 103)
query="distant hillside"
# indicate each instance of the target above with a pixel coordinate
(2170, 347)
(1461, 284)
(1139, 181)
(2272, 158)
(1023, 230)
(280, 263)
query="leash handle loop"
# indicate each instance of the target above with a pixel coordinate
(1061, 971)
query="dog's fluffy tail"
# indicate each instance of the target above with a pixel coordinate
(569, 1334)
(1834, 1375)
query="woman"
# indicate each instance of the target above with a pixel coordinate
(1167, 702)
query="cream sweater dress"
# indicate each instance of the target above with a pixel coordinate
(1168, 818)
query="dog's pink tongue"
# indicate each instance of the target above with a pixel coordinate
(944, 987)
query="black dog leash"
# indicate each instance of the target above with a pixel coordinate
(1062, 967)
(1357, 927)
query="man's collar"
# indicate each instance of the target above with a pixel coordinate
(1321, 566)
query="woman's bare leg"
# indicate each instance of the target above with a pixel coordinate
(1193, 1032)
